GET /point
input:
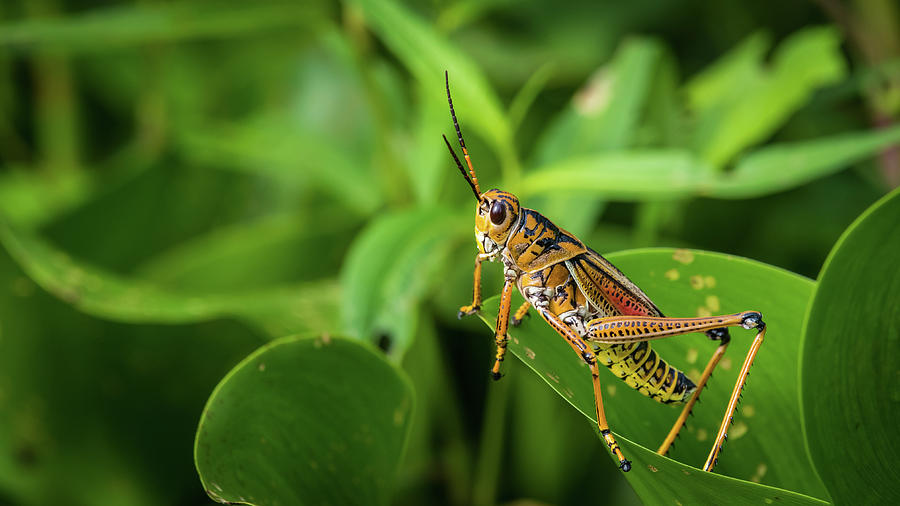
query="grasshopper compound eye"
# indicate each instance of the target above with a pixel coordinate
(498, 212)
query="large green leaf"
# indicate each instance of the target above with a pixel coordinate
(765, 445)
(276, 311)
(851, 361)
(305, 421)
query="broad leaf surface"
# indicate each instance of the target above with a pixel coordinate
(765, 444)
(305, 421)
(851, 361)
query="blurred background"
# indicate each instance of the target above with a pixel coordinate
(181, 182)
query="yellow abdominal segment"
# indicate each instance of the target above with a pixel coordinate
(645, 371)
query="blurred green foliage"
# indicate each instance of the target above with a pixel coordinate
(183, 182)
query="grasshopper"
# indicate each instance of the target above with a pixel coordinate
(600, 313)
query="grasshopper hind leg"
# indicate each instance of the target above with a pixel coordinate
(624, 329)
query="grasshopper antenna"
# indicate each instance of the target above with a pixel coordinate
(461, 169)
(473, 180)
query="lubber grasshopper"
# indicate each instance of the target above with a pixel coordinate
(603, 316)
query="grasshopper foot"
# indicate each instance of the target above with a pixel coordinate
(753, 319)
(467, 310)
(515, 322)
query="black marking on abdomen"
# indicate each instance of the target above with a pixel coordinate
(652, 376)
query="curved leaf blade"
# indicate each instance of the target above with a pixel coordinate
(779, 167)
(765, 445)
(281, 428)
(258, 253)
(666, 174)
(389, 268)
(276, 311)
(623, 175)
(851, 359)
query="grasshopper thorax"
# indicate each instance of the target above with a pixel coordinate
(496, 215)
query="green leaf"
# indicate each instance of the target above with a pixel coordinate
(667, 174)
(287, 152)
(624, 175)
(277, 311)
(764, 446)
(763, 100)
(427, 56)
(99, 384)
(305, 421)
(778, 167)
(851, 358)
(256, 254)
(389, 268)
(424, 159)
(728, 76)
(528, 93)
(601, 117)
(114, 27)
(30, 198)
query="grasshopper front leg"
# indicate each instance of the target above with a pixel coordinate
(476, 289)
(501, 337)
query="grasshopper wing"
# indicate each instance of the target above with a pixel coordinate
(608, 288)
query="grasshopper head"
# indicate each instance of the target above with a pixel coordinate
(496, 213)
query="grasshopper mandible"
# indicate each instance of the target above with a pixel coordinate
(602, 314)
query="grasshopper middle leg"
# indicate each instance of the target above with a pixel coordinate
(520, 314)
(584, 351)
